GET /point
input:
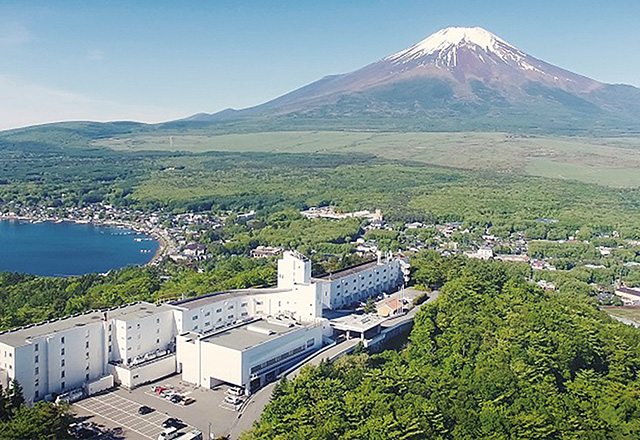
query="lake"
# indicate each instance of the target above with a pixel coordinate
(63, 249)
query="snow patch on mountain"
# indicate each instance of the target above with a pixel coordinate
(441, 48)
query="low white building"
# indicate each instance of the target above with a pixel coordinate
(248, 355)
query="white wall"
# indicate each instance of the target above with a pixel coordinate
(293, 268)
(136, 336)
(357, 287)
(202, 361)
(131, 377)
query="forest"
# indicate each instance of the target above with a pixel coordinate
(494, 358)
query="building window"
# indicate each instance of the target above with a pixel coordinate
(157, 341)
(62, 351)
(138, 325)
(86, 368)
(62, 374)
(36, 347)
(86, 355)
(86, 344)
(243, 305)
(37, 370)
(62, 385)
(311, 342)
(157, 331)
(157, 320)
(109, 338)
(109, 348)
(244, 314)
(218, 310)
(36, 382)
(36, 359)
(194, 318)
(230, 317)
(86, 376)
(207, 313)
(207, 324)
(62, 363)
(62, 340)
(230, 307)
(36, 395)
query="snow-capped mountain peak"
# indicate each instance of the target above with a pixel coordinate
(445, 43)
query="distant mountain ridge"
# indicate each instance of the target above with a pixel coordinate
(457, 78)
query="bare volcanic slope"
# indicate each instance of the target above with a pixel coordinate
(456, 79)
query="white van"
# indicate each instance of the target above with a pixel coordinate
(70, 397)
(169, 434)
(235, 391)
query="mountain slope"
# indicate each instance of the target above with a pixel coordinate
(458, 78)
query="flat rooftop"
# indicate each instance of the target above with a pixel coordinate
(203, 300)
(20, 336)
(358, 323)
(348, 271)
(251, 333)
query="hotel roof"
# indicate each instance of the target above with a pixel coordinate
(251, 333)
(203, 300)
(22, 335)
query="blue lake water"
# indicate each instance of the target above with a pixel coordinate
(63, 249)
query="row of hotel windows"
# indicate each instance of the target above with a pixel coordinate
(208, 323)
(282, 357)
(219, 310)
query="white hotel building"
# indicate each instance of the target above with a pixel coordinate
(242, 337)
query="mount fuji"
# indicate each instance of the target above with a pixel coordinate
(456, 79)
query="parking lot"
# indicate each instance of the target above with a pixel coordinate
(123, 412)
(118, 409)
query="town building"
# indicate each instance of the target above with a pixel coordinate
(266, 252)
(628, 295)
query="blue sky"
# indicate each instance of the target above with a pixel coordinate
(157, 60)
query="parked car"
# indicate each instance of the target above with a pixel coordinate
(158, 389)
(144, 409)
(173, 422)
(235, 391)
(176, 398)
(169, 434)
(187, 401)
(233, 400)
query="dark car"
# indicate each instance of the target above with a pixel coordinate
(145, 410)
(172, 422)
(176, 398)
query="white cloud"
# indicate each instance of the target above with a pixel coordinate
(23, 103)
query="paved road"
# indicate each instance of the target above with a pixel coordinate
(258, 401)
